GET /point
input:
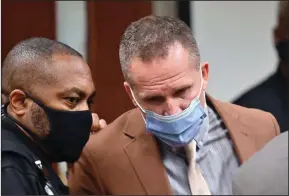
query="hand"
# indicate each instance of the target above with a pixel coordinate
(97, 124)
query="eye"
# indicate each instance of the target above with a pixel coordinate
(155, 100)
(72, 100)
(181, 92)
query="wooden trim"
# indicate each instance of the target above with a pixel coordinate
(184, 11)
(25, 19)
(107, 21)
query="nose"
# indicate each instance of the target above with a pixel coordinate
(172, 107)
(83, 106)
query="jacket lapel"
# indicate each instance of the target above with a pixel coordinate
(143, 153)
(244, 143)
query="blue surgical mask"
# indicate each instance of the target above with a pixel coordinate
(179, 129)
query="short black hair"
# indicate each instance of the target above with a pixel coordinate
(28, 61)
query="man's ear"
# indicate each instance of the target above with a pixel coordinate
(18, 102)
(129, 92)
(205, 73)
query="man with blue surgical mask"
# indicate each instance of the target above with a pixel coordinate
(178, 141)
(176, 129)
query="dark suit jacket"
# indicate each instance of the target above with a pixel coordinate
(124, 159)
(266, 173)
(271, 96)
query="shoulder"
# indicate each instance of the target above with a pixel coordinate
(273, 158)
(251, 117)
(11, 161)
(263, 125)
(15, 155)
(260, 125)
(260, 95)
(246, 113)
(21, 178)
(257, 117)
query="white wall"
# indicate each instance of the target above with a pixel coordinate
(71, 21)
(71, 24)
(164, 8)
(236, 39)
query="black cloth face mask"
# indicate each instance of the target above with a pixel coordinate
(283, 49)
(69, 131)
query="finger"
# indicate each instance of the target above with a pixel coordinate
(95, 122)
(102, 123)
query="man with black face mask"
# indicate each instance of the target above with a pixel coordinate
(272, 95)
(48, 89)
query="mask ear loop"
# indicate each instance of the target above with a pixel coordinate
(143, 110)
(202, 83)
(27, 95)
(33, 99)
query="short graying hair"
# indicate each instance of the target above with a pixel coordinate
(30, 62)
(150, 38)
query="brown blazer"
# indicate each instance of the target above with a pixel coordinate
(124, 159)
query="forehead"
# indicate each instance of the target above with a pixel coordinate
(71, 71)
(177, 65)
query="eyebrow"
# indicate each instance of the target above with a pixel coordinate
(79, 92)
(183, 87)
(175, 90)
(148, 97)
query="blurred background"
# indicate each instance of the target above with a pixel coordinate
(234, 37)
